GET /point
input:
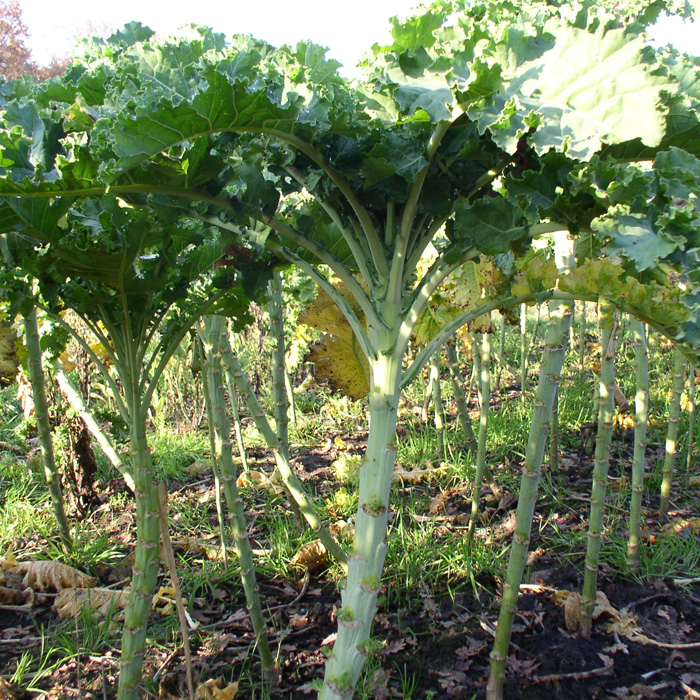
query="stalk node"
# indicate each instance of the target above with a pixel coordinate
(373, 510)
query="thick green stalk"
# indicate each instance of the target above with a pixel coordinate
(641, 418)
(215, 336)
(438, 405)
(70, 391)
(43, 424)
(145, 573)
(359, 597)
(289, 478)
(674, 414)
(485, 393)
(582, 340)
(606, 412)
(279, 391)
(550, 376)
(554, 433)
(460, 397)
(291, 403)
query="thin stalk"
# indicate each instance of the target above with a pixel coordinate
(279, 391)
(237, 425)
(460, 397)
(674, 414)
(523, 352)
(485, 384)
(641, 419)
(501, 351)
(174, 578)
(691, 422)
(72, 395)
(428, 398)
(549, 378)
(214, 337)
(279, 372)
(208, 378)
(582, 340)
(43, 423)
(476, 359)
(438, 407)
(289, 478)
(342, 304)
(606, 411)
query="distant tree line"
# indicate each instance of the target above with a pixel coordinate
(15, 58)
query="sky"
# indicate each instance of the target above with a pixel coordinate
(348, 33)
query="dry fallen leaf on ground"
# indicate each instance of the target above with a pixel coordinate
(52, 575)
(212, 690)
(12, 596)
(199, 467)
(312, 556)
(342, 528)
(415, 476)
(71, 601)
(164, 601)
(259, 480)
(8, 561)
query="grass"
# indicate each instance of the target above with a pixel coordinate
(425, 556)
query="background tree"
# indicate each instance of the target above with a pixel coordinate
(15, 57)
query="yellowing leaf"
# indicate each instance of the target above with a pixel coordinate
(340, 363)
(67, 362)
(70, 602)
(338, 358)
(52, 575)
(312, 556)
(102, 354)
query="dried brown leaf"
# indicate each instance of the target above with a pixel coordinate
(259, 480)
(438, 503)
(312, 556)
(12, 596)
(52, 575)
(415, 476)
(572, 611)
(212, 690)
(198, 467)
(70, 602)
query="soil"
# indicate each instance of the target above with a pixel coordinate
(440, 647)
